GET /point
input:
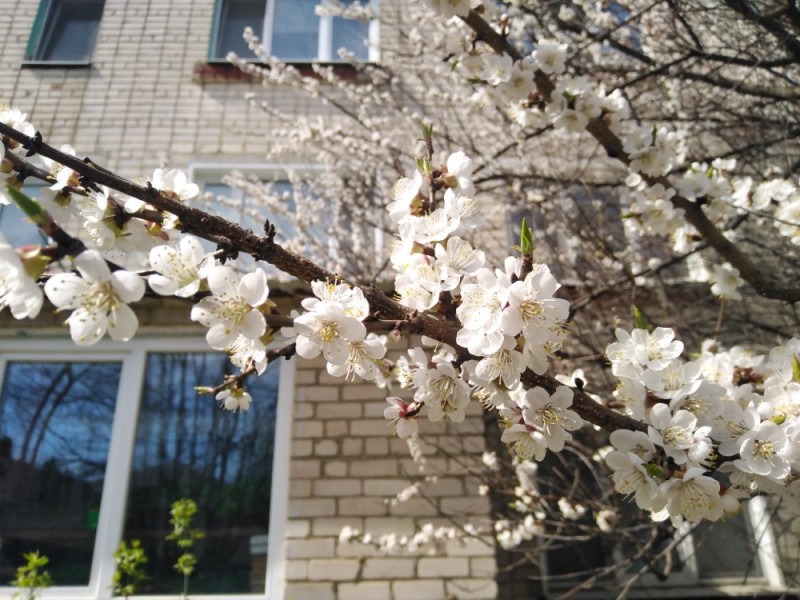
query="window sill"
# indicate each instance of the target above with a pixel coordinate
(55, 64)
(224, 72)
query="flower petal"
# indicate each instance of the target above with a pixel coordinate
(92, 266)
(129, 287)
(253, 325)
(86, 328)
(65, 290)
(253, 288)
(220, 335)
(122, 324)
(223, 281)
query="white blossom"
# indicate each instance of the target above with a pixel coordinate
(180, 271)
(99, 299)
(233, 307)
(18, 291)
(551, 415)
(234, 399)
(327, 329)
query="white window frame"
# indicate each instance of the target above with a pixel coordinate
(133, 356)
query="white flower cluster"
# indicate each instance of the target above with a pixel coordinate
(730, 412)
(332, 325)
(509, 318)
(428, 539)
(653, 152)
(702, 417)
(573, 103)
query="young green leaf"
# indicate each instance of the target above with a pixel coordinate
(525, 239)
(638, 319)
(30, 207)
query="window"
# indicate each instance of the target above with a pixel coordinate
(15, 226)
(738, 555)
(65, 31)
(268, 194)
(289, 30)
(76, 477)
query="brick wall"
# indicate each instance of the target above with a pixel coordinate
(139, 104)
(346, 466)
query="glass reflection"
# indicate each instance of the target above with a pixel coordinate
(295, 33)
(351, 35)
(55, 422)
(186, 447)
(235, 16)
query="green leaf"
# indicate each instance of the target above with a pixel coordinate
(525, 239)
(795, 369)
(424, 166)
(30, 207)
(32, 577)
(654, 470)
(638, 319)
(427, 131)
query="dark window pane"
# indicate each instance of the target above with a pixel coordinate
(186, 447)
(352, 35)
(727, 550)
(55, 422)
(295, 30)
(235, 16)
(70, 30)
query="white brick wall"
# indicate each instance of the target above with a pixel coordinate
(358, 470)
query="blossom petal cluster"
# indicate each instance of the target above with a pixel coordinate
(332, 325)
(509, 318)
(98, 299)
(711, 438)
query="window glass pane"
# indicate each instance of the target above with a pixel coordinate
(55, 422)
(15, 226)
(727, 550)
(234, 205)
(70, 30)
(295, 30)
(186, 447)
(250, 214)
(235, 16)
(352, 35)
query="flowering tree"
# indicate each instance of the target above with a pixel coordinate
(567, 103)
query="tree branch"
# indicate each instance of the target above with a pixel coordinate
(748, 270)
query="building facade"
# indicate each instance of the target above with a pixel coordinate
(137, 85)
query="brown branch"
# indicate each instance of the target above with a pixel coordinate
(263, 248)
